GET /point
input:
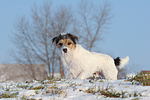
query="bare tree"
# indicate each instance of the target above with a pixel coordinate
(93, 23)
(33, 37)
(94, 20)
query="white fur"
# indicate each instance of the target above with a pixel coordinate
(81, 63)
(63, 34)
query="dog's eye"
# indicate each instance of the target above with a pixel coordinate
(69, 43)
(60, 44)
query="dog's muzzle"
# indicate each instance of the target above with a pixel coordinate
(65, 50)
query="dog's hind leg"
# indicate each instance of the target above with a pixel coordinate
(110, 74)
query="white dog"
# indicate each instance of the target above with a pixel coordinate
(80, 63)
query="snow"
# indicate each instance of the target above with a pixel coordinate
(75, 89)
(130, 75)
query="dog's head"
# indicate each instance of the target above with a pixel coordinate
(65, 42)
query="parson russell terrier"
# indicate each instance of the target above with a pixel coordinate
(80, 63)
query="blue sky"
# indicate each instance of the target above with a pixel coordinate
(128, 35)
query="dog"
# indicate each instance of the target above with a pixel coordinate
(80, 63)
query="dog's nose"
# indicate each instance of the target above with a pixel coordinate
(65, 50)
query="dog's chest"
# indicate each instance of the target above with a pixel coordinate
(70, 62)
(72, 67)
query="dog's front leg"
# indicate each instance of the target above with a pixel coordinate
(69, 75)
(79, 75)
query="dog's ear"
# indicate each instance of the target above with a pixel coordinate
(54, 39)
(73, 36)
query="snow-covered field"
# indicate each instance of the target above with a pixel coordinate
(74, 90)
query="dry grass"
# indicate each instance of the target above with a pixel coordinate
(141, 78)
(8, 94)
(109, 92)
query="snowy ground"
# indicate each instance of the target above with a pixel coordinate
(74, 90)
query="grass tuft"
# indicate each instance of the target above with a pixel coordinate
(37, 87)
(8, 95)
(141, 78)
(109, 92)
(54, 90)
(23, 86)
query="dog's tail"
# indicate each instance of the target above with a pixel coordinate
(120, 63)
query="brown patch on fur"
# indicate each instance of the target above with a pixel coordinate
(66, 42)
